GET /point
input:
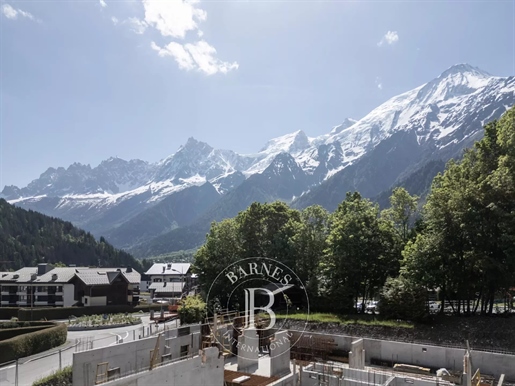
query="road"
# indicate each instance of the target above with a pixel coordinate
(38, 366)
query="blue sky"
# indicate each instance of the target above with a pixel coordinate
(85, 80)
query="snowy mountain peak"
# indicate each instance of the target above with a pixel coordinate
(284, 164)
(462, 68)
(456, 81)
(194, 145)
(290, 143)
(348, 122)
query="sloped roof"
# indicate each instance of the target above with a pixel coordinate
(64, 275)
(22, 275)
(169, 269)
(166, 287)
(90, 276)
(105, 276)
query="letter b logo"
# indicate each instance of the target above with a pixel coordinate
(250, 307)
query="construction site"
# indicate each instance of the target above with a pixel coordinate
(223, 352)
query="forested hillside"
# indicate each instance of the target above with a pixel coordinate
(28, 238)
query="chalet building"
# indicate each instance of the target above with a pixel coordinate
(160, 290)
(170, 280)
(48, 286)
(170, 272)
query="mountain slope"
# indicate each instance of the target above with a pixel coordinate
(417, 183)
(282, 180)
(28, 238)
(177, 210)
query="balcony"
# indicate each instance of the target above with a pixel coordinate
(21, 292)
(21, 302)
(59, 303)
(40, 303)
(43, 293)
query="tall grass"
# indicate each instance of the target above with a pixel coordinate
(357, 319)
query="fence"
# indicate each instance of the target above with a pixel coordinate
(26, 371)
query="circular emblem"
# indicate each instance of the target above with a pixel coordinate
(250, 303)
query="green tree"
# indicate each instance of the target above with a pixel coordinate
(308, 245)
(403, 299)
(402, 212)
(466, 246)
(192, 310)
(360, 254)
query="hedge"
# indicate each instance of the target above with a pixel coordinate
(65, 312)
(8, 333)
(33, 343)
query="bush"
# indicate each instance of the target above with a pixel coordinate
(33, 342)
(402, 299)
(192, 310)
(62, 377)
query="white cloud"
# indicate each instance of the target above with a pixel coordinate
(114, 20)
(199, 56)
(389, 38)
(173, 18)
(11, 13)
(379, 84)
(103, 4)
(137, 26)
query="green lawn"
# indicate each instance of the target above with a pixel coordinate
(362, 319)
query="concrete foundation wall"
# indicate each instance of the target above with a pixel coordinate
(428, 356)
(207, 370)
(128, 357)
(134, 356)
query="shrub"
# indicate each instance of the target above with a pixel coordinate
(62, 377)
(33, 342)
(192, 310)
(402, 299)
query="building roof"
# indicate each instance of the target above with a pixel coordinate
(169, 269)
(166, 287)
(105, 276)
(63, 275)
(20, 276)
(90, 276)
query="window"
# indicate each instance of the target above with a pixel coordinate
(59, 288)
(184, 350)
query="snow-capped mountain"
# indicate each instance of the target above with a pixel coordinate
(433, 121)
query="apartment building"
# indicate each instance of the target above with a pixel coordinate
(48, 286)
